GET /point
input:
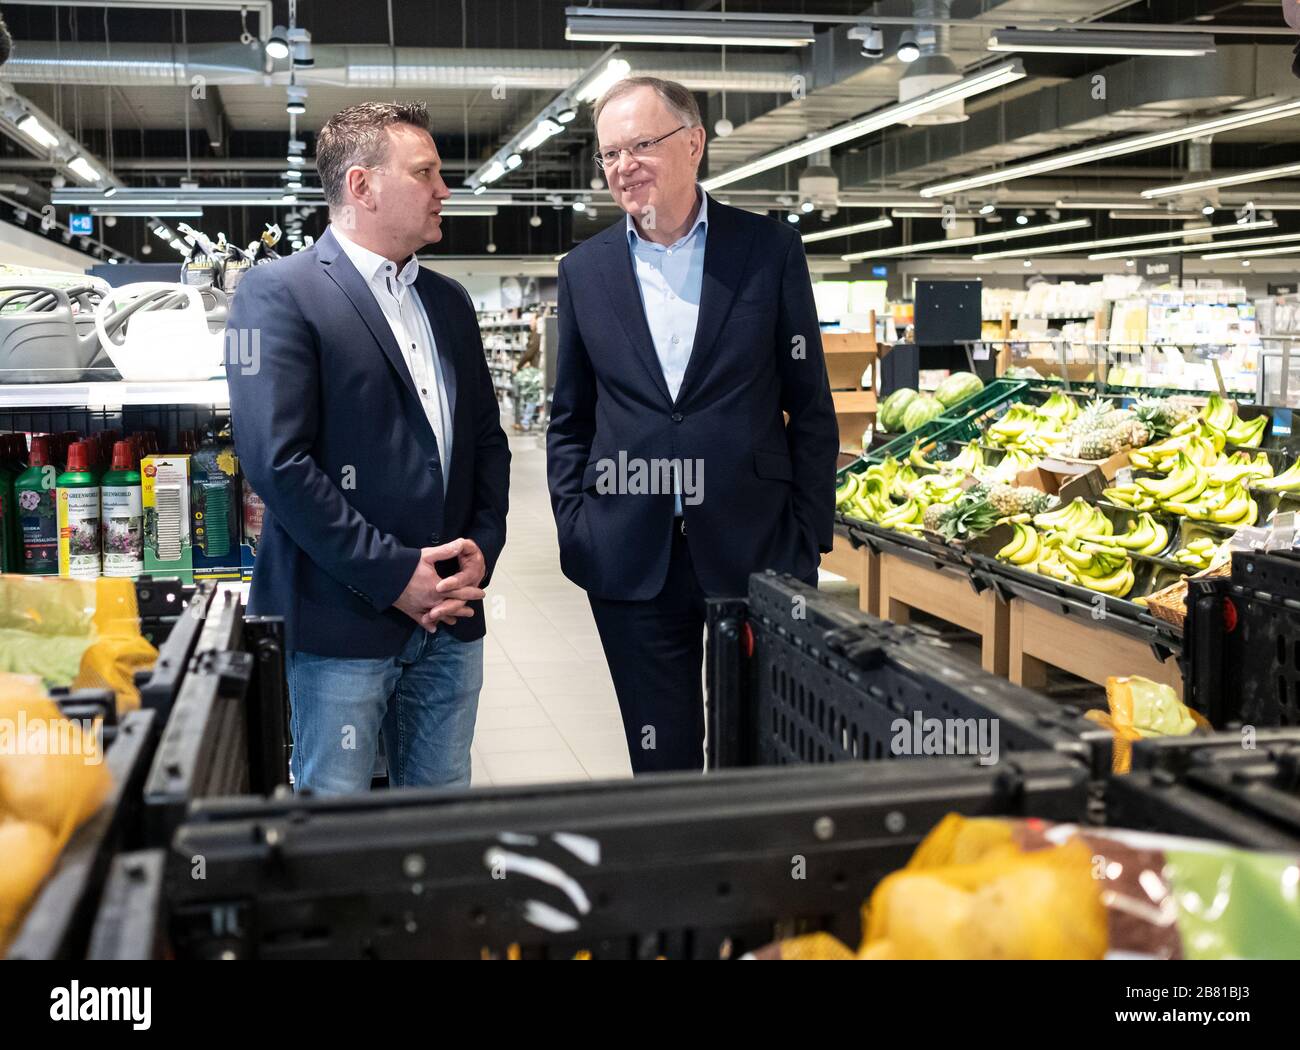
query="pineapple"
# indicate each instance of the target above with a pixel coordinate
(1010, 501)
(930, 518)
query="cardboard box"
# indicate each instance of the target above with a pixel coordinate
(165, 493)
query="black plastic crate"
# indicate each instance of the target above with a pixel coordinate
(675, 865)
(58, 923)
(796, 677)
(1242, 640)
(1214, 787)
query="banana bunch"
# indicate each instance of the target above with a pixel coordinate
(970, 460)
(1025, 427)
(1240, 466)
(906, 517)
(1144, 535)
(1076, 518)
(1198, 554)
(1287, 481)
(1189, 490)
(1129, 495)
(918, 460)
(1221, 415)
(892, 495)
(1012, 463)
(1024, 547)
(1059, 407)
(1101, 567)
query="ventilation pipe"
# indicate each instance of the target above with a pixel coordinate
(934, 69)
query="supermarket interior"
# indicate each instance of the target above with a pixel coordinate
(841, 459)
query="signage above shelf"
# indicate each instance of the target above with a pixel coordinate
(210, 392)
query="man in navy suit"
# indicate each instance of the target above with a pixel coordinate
(687, 329)
(368, 424)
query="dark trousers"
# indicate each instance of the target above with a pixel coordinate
(655, 652)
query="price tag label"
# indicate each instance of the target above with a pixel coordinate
(1124, 476)
(980, 351)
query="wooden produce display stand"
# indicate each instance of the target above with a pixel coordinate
(851, 357)
(949, 594)
(1040, 637)
(858, 565)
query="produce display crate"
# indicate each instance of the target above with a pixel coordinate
(1214, 787)
(1242, 642)
(219, 683)
(58, 923)
(670, 866)
(796, 677)
(995, 393)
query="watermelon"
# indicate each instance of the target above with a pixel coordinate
(890, 413)
(921, 410)
(958, 387)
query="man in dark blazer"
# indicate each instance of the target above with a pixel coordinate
(364, 416)
(686, 330)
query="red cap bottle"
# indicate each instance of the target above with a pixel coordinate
(123, 456)
(79, 456)
(40, 454)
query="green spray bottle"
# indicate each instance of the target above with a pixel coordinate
(78, 505)
(123, 511)
(35, 491)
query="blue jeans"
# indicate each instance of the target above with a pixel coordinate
(425, 699)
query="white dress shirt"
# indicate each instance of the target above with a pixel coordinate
(402, 309)
(670, 278)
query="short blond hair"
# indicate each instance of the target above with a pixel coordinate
(678, 99)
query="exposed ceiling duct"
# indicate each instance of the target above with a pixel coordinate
(377, 66)
(934, 68)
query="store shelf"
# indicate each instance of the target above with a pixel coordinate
(113, 395)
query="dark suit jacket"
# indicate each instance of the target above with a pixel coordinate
(331, 435)
(768, 488)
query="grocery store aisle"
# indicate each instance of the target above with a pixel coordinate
(547, 711)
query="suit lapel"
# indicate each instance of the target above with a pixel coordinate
(625, 300)
(345, 275)
(726, 254)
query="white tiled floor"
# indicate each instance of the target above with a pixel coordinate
(547, 711)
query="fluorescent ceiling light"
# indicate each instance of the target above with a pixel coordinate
(1153, 215)
(615, 70)
(83, 169)
(986, 80)
(1133, 144)
(1178, 249)
(845, 231)
(127, 211)
(1262, 175)
(495, 170)
(546, 127)
(1097, 205)
(467, 211)
(1141, 238)
(917, 213)
(37, 132)
(979, 238)
(1285, 250)
(1092, 42)
(651, 30)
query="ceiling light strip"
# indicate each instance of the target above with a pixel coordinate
(1092, 42)
(1167, 235)
(1262, 175)
(1133, 144)
(1178, 249)
(845, 231)
(978, 83)
(979, 238)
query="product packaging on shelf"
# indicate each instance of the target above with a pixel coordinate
(215, 512)
(251, 531)
(79, 515)
(165, 493)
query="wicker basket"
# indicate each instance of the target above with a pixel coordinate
(1170, 604)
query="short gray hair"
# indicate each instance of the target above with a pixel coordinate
(356, 135)
(680, 102)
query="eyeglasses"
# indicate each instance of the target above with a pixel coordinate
(607, 158)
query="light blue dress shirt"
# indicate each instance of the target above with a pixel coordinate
(670, 278)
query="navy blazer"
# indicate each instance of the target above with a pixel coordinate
(768, 488)
(332, 436)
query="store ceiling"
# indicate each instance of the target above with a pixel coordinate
(98, 68)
